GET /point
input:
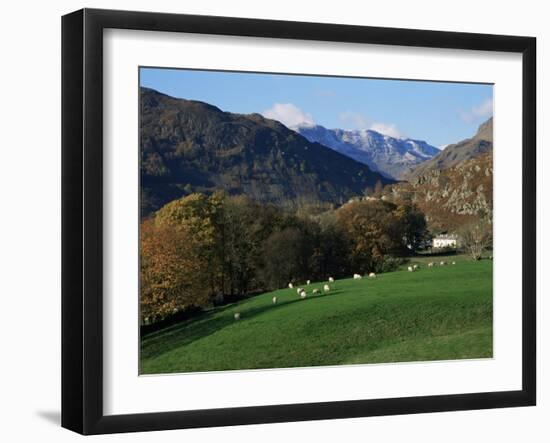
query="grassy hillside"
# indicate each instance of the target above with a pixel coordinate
(436, 313)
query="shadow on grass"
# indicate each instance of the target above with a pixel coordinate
(207, 323)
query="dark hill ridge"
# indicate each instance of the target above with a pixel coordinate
(189, 146)
(481, 143)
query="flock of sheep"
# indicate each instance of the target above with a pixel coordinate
(303, 294)
(430, 265)
(326, 288)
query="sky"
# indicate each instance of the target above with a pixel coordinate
(439, 113)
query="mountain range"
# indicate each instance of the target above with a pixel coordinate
(392, 157)
(189, 146)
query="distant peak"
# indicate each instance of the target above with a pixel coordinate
(485, 130)
(388, 155)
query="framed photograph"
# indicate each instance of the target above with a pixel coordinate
(269, 221)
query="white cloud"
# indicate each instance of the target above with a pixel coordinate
(356, 120)
(482, 111)
(289, 115)
(386, 129)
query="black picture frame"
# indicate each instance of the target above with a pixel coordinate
(82, 218)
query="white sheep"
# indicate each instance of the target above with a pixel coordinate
(274, 300)
(303, 294)
(330, 280)
(308, 282)
(315, 291)
(410, 269)
(299, 290)
(431, 264)
(415, 267)
(237, 316)
(372, 275)
(442, 263)
(290, 286)
(356, 277)
(454, 263)
(326, 288)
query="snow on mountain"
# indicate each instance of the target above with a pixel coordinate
(393, 157)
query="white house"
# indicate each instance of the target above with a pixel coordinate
(444, 241)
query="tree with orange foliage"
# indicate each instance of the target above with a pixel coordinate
(202, 217)
(170, 271)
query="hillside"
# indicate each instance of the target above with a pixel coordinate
(439, 313)
(480, 143)
(390, 156)
(189, 146)
(451, 197)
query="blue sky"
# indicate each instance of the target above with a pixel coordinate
(439, 113)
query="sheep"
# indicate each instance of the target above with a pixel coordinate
(316, 291)
(372, 275)
(330, 280)
(410, 269)
(442, 263)
(290, 286)
(453, 263)
(237, 316)
(299, 290)
(356, 277)
(303, 294)
(431, 264)
(415, 267)
(326, 288)
(308, 282)
(274, 300)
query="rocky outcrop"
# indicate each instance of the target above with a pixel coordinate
(451, 197)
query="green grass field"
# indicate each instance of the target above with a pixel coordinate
(440, 313)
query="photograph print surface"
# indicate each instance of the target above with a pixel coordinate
(298, 220)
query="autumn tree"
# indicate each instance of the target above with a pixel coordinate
(201, 217)
(170, 271)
